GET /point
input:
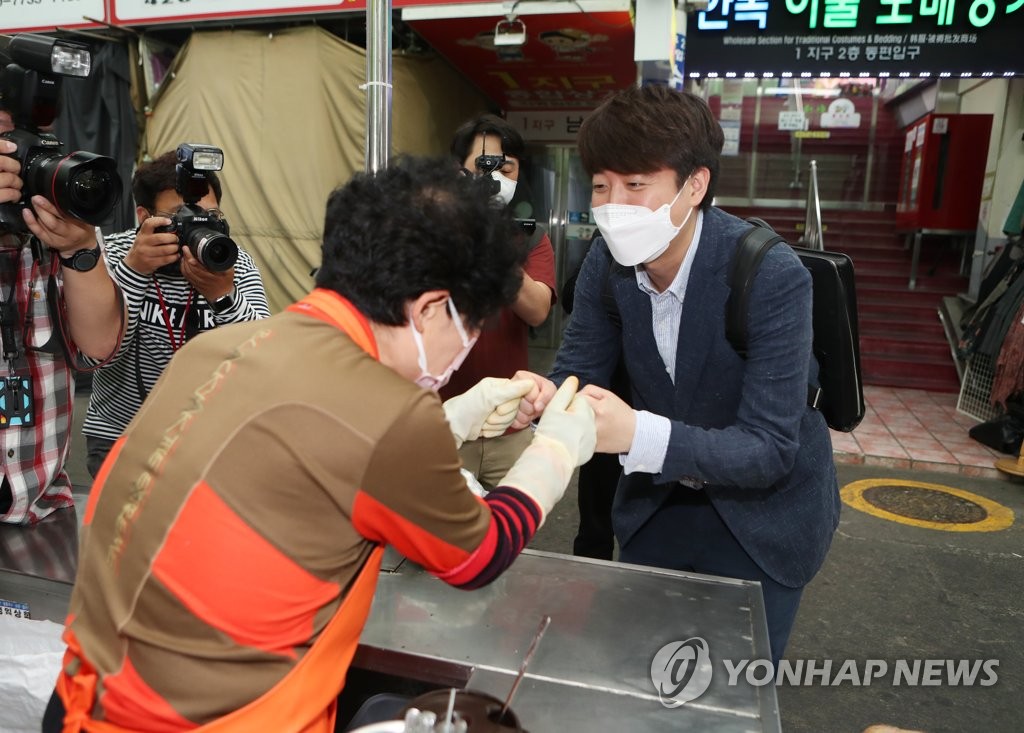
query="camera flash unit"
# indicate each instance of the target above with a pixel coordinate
(201, 157)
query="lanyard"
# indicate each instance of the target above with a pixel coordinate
(175, 345)
(9, 319)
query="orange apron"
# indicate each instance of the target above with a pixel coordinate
(305, 700)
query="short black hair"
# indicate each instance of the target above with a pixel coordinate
(511, 141)
(153, 178)
(644, 129)
(420, 225)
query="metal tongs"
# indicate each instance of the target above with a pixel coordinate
(544, 623)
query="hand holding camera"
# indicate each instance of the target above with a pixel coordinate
(63, 234)
(10, 168)
(154, 246)
(211, 284)
(192, 240)
(203, 231)
(80, 184)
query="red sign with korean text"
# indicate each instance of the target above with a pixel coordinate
(569, 61)
(150, 12)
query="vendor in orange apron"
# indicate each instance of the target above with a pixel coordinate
(304, 701)
(232, 539)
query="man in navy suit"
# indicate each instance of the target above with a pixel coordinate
(727, 470)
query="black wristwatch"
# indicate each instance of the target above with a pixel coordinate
(83, 260)
(223, 303)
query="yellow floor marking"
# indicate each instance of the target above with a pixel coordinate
(999, 516)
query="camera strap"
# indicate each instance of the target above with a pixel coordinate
(10, 270)
(175, 344)
(43, 259)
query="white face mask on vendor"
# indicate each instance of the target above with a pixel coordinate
(508, 188)
(636, 234)
(436, 382)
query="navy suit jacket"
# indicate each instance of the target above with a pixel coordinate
(740, 426)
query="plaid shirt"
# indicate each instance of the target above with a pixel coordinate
(33, 456)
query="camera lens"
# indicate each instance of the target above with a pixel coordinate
(217, 252)
(84, 185)
(89, 189)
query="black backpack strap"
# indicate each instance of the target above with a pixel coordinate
(753, 246)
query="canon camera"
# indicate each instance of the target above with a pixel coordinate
(203, 231)
(83, 185)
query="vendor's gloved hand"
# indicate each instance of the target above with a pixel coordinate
(486, 410)
(565, 439)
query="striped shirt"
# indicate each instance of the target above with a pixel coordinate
(33, 456)
(154, 330)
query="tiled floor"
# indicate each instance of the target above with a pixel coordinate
(910, 428)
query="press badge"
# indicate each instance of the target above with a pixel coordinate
(16, 407)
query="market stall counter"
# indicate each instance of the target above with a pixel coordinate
(611, 626)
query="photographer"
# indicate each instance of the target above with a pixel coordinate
(490, 146)
(37, 285)
(171, 296)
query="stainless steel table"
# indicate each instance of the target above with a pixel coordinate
(591, 671)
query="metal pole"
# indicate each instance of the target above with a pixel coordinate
(869, 168)
(378, 84)
(752, 168)
(813, 235)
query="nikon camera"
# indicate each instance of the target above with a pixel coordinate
(204, 232)
(81, 184)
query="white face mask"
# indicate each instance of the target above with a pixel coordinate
(508, 188)
(428, 380)
(636, 234)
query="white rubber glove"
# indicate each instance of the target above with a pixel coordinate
(565, 438)
(485, 410)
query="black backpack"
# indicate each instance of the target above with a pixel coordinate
(836, 336)
(836, 340)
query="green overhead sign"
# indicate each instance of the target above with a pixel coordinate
(857, 38)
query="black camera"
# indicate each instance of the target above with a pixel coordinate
(486, 165)
(83, 185)
(204, 232)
